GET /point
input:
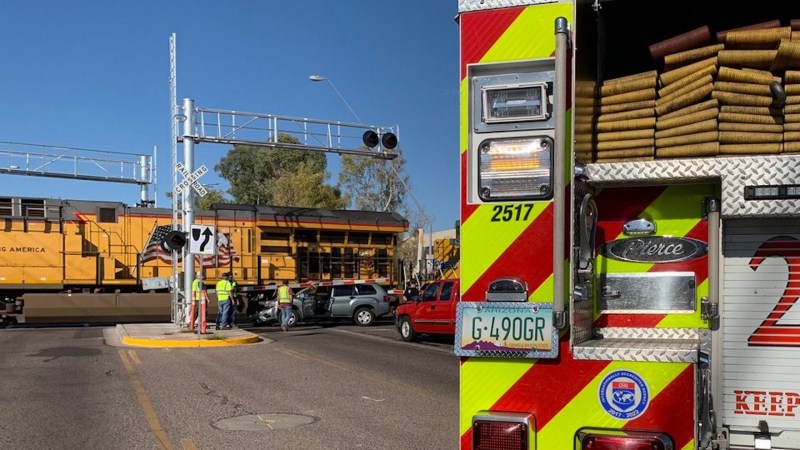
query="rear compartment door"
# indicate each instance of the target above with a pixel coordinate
(760, 330)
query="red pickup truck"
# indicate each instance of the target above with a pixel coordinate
(433, 313)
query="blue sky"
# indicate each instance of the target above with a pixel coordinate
(95, 74)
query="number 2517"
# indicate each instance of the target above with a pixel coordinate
(509, 213)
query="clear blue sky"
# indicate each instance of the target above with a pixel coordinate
(95, 74)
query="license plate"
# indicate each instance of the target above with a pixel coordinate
(506, 329)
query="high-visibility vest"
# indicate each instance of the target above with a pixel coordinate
(197, 289)
(223, 290)
(283, 295)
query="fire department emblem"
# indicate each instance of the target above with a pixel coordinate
(624, 394)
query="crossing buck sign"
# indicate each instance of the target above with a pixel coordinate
(202, 240)
(190, 179)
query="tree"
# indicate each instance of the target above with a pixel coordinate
(272, 176)
(213, 196)
(374, 184)
(305, 187)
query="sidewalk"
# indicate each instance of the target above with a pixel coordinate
(169, 335)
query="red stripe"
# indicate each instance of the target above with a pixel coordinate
(672, 410)
(480, 30)
(612, 215)
(527, 257)
(534, 392)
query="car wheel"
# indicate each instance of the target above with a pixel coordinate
(294, 318)
(364, 317)
(407, 332)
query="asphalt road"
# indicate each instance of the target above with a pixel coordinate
(314, 387)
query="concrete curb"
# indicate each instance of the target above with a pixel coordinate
(190, 341)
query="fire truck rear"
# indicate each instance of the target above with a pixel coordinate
(630, 225)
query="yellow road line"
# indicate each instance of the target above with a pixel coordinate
(187, 444)
(147, 407)
(134, 357)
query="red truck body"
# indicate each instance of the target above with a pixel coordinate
(433, 313)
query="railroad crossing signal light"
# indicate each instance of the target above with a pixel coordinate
(387, 140)
(174, 240)
(370, 138)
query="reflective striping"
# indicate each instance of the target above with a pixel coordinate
(558, 433)
(673, 412)
(489, 240)
(480, 31)
(483, 380)
(517, 43)
(671, 209)
(547, 388)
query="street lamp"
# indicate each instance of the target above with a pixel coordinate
(317, 78)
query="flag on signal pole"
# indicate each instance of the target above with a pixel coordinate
(154, 250)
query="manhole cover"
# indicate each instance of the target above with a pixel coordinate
(262, 422)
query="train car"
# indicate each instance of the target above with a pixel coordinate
(85, 261)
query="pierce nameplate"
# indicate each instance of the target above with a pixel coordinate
(655, 249)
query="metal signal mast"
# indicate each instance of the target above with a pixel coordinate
(256, 129)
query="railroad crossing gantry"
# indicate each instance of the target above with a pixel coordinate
(53, 161)
(257, 129)
(262, 130)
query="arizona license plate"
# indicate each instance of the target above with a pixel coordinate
(506, 329)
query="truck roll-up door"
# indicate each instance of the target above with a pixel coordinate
(760, 330)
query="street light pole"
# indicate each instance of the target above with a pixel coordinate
(317, 78)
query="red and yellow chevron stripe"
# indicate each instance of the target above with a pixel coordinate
(563, 394)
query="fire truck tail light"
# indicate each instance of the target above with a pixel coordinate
(622, 440)
(515, 168)
(502, 431)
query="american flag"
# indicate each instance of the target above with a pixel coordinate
(153, 250)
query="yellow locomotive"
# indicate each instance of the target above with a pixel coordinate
(88, 256)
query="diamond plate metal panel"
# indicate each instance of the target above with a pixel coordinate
(648, 350)
(477, 5)
(649, 333)
(734, 173)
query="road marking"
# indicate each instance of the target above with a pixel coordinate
(412, 389)
(134, 357)
(448, 350)
(187, 444)
(147, 407)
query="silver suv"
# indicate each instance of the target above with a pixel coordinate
(360, 302)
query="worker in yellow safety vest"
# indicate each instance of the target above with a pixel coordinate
(224, 292)
(285, 304)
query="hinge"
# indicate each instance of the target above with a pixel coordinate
(709, 311)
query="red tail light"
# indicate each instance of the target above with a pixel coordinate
(501, 431)
(622, 440)
(387, 299)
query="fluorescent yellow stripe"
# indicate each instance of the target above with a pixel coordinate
(689, 446)
(484, 381)
(483, 241)
(532, 35)
(672, 212)
(585, 409)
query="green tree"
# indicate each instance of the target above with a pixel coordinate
(213, 196)
(256, 175)
(374, 184)
(305, 187)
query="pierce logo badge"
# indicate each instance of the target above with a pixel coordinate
(624, 395)
(655, 249)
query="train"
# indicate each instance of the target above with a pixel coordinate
(84, 261)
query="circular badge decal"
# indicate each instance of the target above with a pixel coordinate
(624, 394)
